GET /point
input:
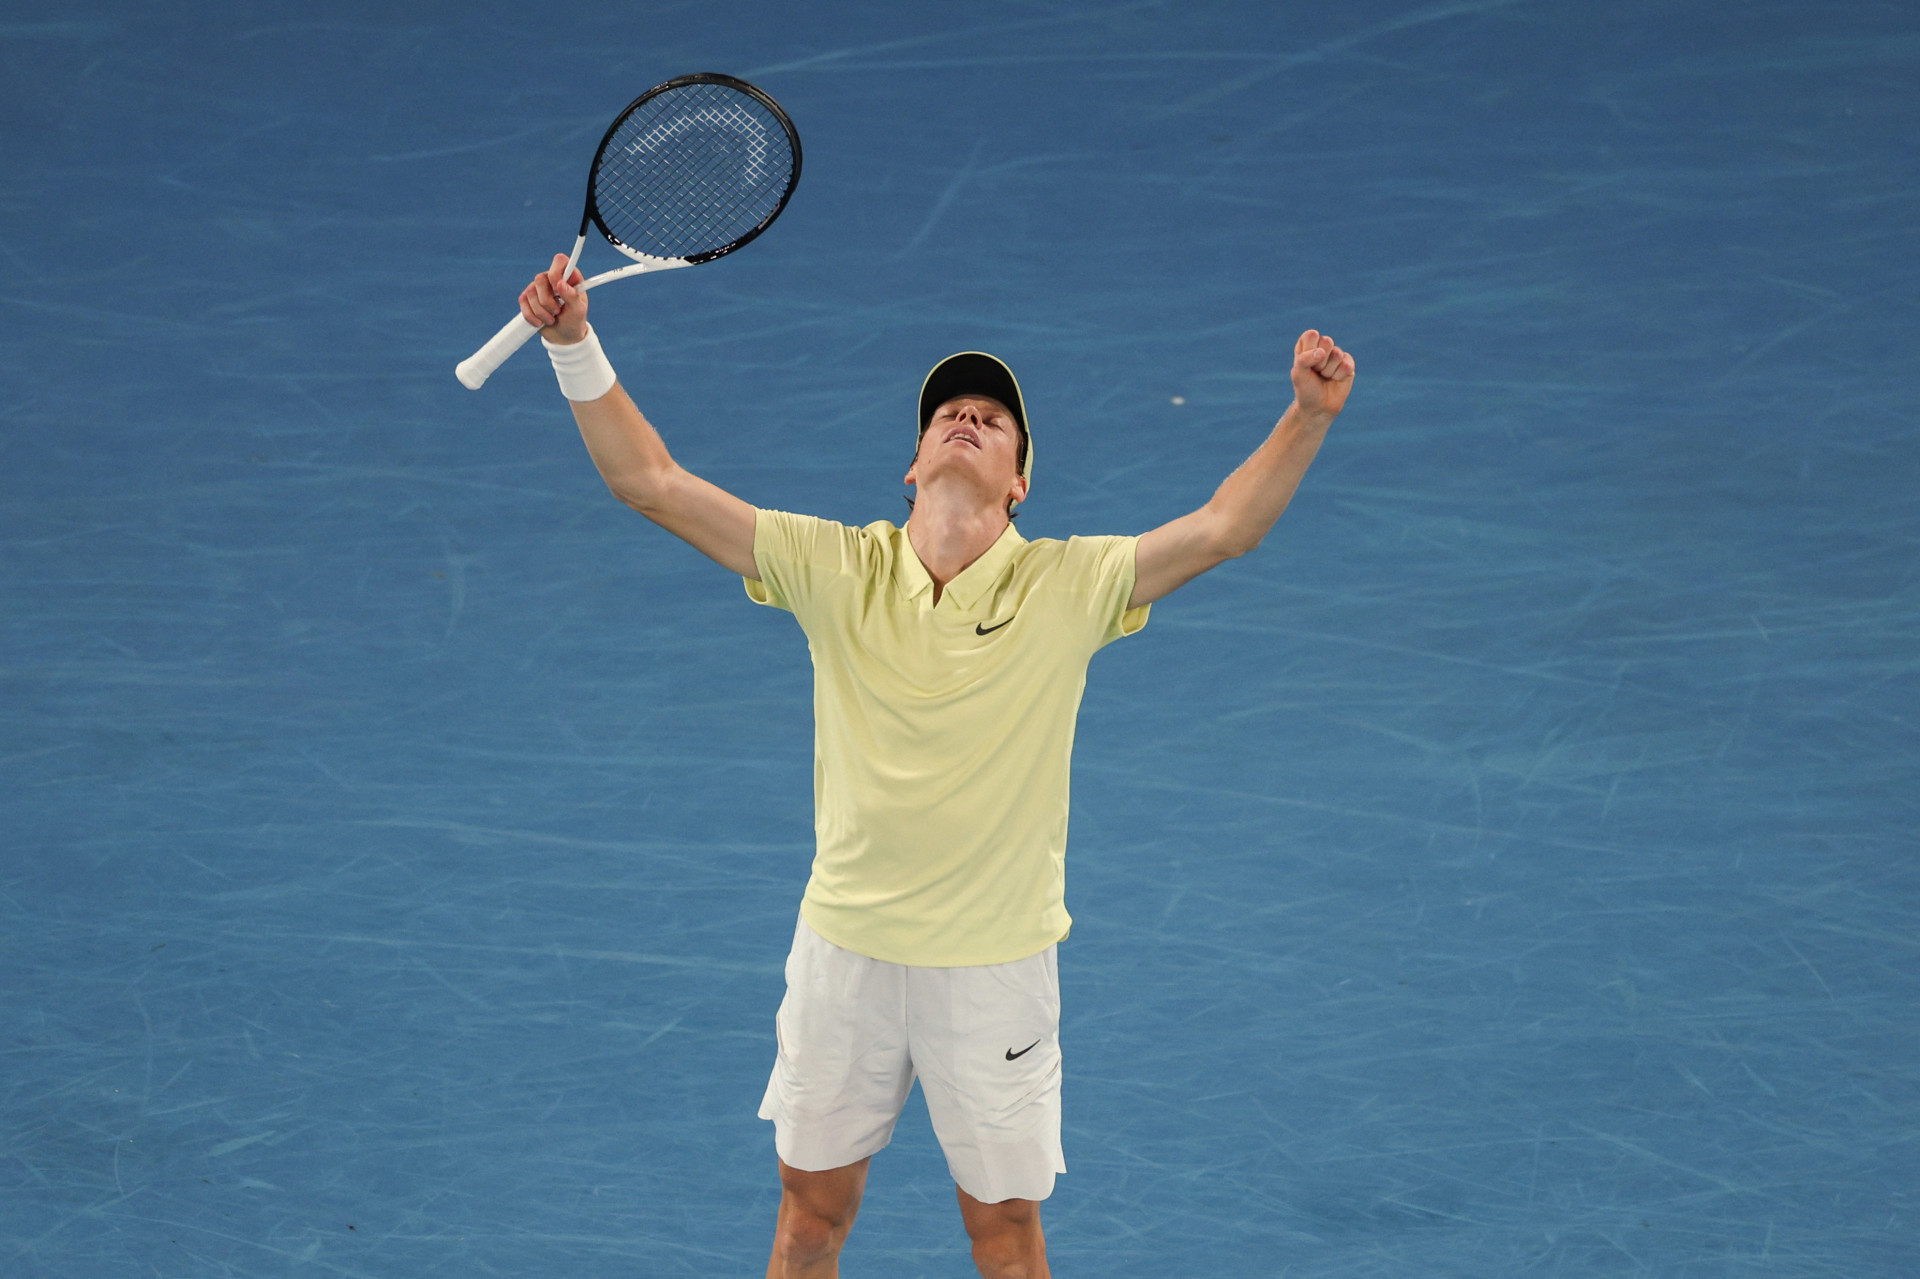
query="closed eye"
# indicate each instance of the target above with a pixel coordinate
(999, 421)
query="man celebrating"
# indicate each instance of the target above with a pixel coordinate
(949, 660)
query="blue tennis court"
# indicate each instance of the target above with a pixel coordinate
(1509, 869)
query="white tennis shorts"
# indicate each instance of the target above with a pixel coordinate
(984, 1041)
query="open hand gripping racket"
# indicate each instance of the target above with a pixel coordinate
(690, 171)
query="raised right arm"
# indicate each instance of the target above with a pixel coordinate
(636, 466)
(632, 457)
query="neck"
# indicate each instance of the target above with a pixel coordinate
(949, 534)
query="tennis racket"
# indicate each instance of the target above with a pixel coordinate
(690, 171)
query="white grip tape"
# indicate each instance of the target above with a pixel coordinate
(478, 367)
(582, 367)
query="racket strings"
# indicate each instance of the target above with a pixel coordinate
(711, 195)
(691, 171)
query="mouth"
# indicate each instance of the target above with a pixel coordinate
(963, 434)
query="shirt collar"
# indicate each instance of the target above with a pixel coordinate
(973, 582)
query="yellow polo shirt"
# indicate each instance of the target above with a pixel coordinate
(943, 733)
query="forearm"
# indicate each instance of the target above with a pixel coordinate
(635, 464)
(1249, 501)
(630, 455)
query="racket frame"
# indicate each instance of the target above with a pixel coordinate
(478, 367)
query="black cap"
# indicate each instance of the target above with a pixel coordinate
(976, 373)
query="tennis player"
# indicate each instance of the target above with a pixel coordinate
(949, 660)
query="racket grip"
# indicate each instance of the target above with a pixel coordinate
(478, 367)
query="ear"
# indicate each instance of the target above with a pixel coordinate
(1019, 490)
(910, 477)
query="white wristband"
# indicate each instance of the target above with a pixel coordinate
(581, 367)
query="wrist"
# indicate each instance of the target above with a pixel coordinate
(581, 367)
(1310, 419)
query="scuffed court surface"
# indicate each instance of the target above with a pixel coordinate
(1508, 870)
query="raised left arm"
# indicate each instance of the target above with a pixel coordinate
(1248, 502)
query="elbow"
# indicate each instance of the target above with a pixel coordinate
(644, 492)
(628, 496)
(1227, 535)
(1233, 547)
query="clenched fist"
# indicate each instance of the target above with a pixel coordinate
(1322, 374)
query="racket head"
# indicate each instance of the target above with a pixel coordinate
(692, 169)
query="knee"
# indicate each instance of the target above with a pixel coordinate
(1007, 1243)
(817, 1211)
(806, 1236)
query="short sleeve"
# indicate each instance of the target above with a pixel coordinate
(796, 555)
(1102, 572)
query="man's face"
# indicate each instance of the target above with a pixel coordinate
(976, 438)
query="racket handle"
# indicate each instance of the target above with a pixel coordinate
(478, 367)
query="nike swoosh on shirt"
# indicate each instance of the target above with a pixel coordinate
(980, 628)
(1024, 1051)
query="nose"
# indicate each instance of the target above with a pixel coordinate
(978, 415)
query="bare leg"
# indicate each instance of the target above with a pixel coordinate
(816, 1212)
(1007, 1243)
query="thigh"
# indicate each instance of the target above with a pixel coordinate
(843, 1069)
(986, 1044)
